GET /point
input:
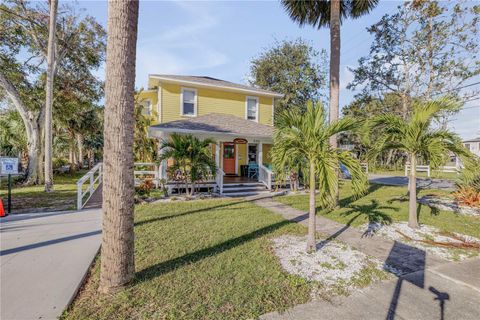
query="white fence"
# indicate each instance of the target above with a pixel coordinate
(93, 183)
(155, 172)
(426, 168)
(219, 180)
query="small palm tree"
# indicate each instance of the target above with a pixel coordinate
(419, 140)
(191, 156)
(304, 138)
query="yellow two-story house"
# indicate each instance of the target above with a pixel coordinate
(238, 117)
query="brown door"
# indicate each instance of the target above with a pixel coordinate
(229, 157)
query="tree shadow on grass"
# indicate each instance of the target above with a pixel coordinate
(164, 267)
(352, 198)
(374, 212)
(142, 222)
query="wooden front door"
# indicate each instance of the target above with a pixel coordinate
(229, 157)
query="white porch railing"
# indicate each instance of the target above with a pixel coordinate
(155, 172)
(219, 180)
(93, 184)
(265, 176)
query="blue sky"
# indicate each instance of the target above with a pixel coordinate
(219, 38)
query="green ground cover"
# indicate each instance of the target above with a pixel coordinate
(389, 204)
(205, 259)
(34, 198)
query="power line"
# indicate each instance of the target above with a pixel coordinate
(456, 89)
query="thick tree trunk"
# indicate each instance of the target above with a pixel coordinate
(311, 242)
(117, 256)
(49, 96)
(31, 128)
(412, 201)
(334, 72)
(334, 64)
(80, 150)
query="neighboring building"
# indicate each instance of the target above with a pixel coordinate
(238, 117)
(473, 145)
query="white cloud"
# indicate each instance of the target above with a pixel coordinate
(181, 49)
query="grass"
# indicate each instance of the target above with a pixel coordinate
(388, 204)
(204, 259)
(34, 198)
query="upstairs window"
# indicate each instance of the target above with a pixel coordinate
(252, 109)
(189, 102)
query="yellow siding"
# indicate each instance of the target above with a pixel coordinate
(242, 156)
(211, 101)
(153, 97)
(267, 158)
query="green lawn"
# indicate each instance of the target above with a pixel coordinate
(205, 259)
(34, 198)
(388, 203)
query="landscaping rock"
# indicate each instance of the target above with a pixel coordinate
(449, 205)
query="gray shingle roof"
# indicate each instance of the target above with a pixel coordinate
(214, 82)
(477, 139)
(216, 123)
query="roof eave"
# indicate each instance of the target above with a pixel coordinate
(152, 129)
(224, 88)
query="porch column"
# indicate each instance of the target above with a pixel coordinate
(217, 154)
(260, 153)
(163, 164)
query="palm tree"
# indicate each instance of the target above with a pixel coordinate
(304, 137)
(191, 156)
(419, 140)
(117, 256)
(330, 13)
(49, 95)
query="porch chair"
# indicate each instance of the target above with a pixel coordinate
(252, 170)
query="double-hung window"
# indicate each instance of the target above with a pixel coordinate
(146, 107)
(252, 108)
(188, 105)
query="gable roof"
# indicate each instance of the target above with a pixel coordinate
(204, 81)
(217, 124)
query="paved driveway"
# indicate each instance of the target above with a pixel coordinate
(423, 183)
(43, 259)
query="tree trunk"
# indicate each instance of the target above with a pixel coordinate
(80, 150)
(117, 256)
(412, 186)
(31, 128)
(49, 96)
(334, 72)
(311, 243)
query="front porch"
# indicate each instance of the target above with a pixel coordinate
(241, 151)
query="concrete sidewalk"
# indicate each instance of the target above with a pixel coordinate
(425, 280)
(44, 258)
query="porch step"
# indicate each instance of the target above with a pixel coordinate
(244, 189)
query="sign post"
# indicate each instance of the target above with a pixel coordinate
(8, 167)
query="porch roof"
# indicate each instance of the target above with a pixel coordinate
(216, 124)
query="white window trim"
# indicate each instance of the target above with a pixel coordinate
(246, 107)
(194, 103)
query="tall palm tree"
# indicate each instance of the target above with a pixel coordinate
(419, 140)
(117, 256)
(305, 137)
(49, 95)
(329, 13)
(191, 155)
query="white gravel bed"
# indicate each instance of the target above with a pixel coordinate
(424, 233)
(332, 263)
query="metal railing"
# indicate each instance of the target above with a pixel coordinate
(265, 176)
(93, 184)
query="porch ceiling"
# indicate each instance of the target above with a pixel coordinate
(215, 125)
